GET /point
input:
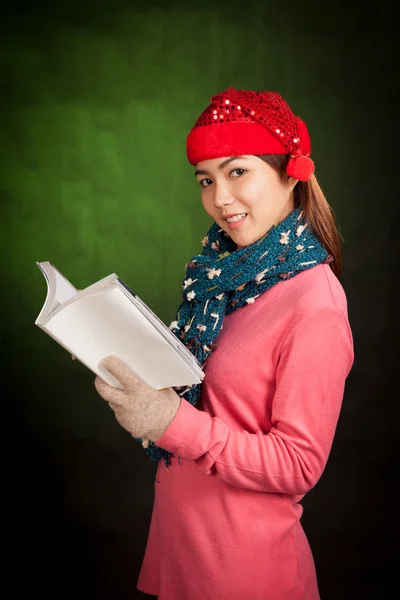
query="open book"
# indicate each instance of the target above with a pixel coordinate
(108, 318)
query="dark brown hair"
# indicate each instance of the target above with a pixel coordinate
(309, 196)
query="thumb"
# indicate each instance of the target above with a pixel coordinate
(119, 369)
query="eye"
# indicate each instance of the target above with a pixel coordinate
(202, 182)
(206, 182)
(240, 171)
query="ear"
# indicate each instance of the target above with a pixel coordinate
(292, 181)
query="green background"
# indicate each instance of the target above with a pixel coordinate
(96, 103)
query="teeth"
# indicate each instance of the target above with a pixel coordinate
(236, 218)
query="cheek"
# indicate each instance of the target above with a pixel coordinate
(207, 203)
(261, 194)
(254, 194)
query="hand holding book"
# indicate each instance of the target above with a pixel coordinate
(143, 411)
(107, 318)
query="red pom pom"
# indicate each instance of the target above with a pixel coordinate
(300, 167)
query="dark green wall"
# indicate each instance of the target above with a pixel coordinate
(96, 103)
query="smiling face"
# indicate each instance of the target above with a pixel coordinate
(244, 185)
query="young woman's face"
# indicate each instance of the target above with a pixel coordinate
(244, 185)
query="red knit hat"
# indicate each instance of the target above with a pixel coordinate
(239, 122)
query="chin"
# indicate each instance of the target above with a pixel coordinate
(241, 240)
(247, 241)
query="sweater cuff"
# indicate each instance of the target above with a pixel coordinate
(183, 430)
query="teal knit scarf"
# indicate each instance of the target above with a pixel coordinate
(223, 279)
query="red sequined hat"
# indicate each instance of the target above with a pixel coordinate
(239, 122)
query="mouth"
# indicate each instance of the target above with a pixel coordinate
(235, 221)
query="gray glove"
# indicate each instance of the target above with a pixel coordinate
(140, 409)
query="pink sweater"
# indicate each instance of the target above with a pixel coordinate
(226, 516)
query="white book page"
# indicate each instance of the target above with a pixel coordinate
(163, 329)
(59, 290)
(106, 322)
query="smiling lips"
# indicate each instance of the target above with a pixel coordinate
(232, 218)
(235, 221)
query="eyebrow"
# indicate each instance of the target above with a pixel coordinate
(221, 165)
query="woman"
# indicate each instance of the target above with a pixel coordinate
(265, 313)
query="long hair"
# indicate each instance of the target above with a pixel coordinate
(309, 196)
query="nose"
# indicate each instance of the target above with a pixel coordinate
(222, 195)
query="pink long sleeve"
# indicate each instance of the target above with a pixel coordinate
(314, 361)
(265, 422)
